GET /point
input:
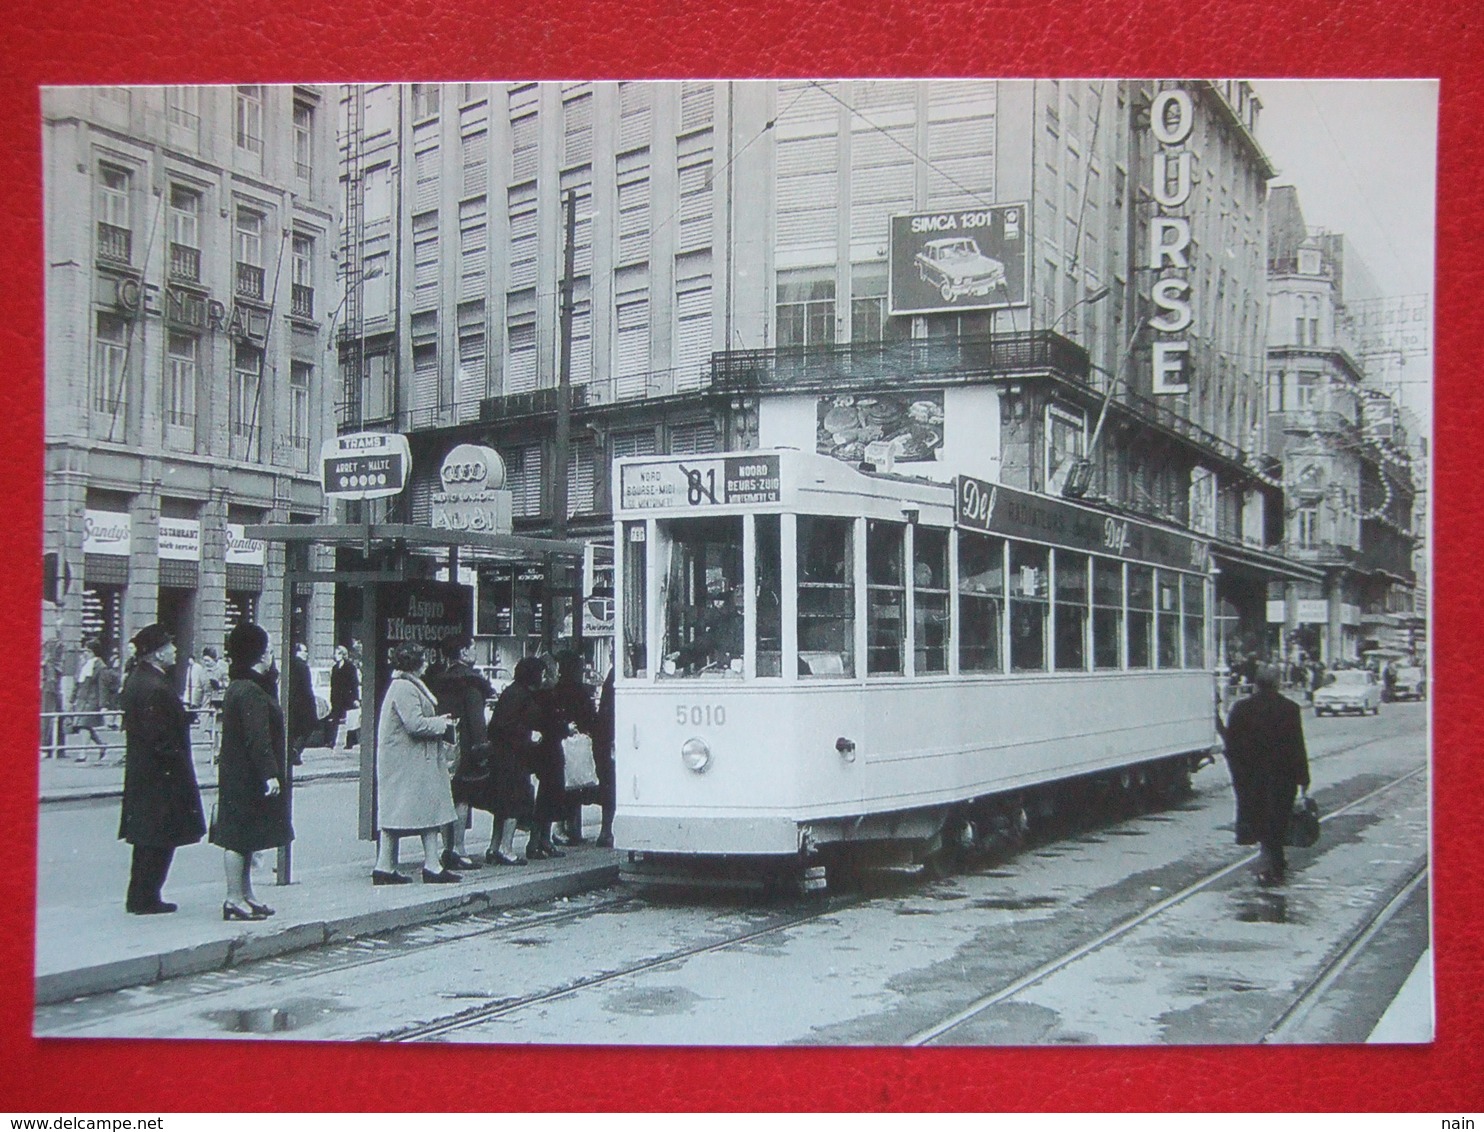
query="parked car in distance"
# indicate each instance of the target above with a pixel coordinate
(1411, 683)
(956, 267)
(1351, 689)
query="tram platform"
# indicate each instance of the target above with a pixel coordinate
(87, 944)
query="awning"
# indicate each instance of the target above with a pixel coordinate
(1262, 562)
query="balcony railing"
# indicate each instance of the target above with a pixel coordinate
(185, 263)
(115, 244)
(604, 391)
(301, 301)
(843, 365)
(1316, 420)
(249, 281)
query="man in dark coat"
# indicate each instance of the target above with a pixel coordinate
(345, 693)
(1269, 762)
(303, 711)
(162, 804)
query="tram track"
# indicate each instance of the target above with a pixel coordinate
(287, 972)
(975, 1009)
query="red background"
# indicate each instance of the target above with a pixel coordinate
(144, 41)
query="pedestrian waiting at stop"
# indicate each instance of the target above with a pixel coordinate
(252, 806)
(303, 714)
(515, 742)
(161, 805)
(462, 694)
(413, 795)
(568, 709)
(345, 695)
(1269, 764)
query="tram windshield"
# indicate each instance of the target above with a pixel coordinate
(702, 597)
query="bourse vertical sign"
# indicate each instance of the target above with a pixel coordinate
(365, 465)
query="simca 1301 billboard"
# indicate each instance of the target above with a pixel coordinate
(959, 259)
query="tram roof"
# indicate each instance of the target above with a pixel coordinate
(414, 536)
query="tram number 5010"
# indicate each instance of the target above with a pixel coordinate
(697, 715)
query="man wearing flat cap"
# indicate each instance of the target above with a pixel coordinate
(1265, 748)
(162, 804)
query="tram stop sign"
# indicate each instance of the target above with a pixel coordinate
(365, 465)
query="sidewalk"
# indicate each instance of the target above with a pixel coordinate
(92, 946)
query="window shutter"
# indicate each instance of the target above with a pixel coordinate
(631, 363)
(692, 335)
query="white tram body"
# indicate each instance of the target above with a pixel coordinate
(809, 655)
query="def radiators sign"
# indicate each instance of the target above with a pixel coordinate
(959, 259)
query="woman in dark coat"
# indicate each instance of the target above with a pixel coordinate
(566, 708)
(252, 808)
(603, 738)
(161, 804)
(462, 694)
(515, 738)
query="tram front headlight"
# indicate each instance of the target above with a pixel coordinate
(696, 755)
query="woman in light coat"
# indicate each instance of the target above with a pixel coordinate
(412, 774)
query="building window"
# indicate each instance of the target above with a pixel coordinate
(695, 201)
(1064, 446)
(182, 369)
(302, 303)
(381, 110)
(303, 140)
(520, 359)
(249, 120)
(249, 235)
(376, 286)
(378, 193)
(633, 216)
(185, 238)
(524, 481)
(425, 261)
(114, 235)
(301, 374)
(577, 130)
(247, 377)
(425, 100)
(806, 313)
(111, 352)
(1306, 392)
(183, 106)
(1306, 526)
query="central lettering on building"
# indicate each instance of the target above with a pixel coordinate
(1171, 118)
(191, 309)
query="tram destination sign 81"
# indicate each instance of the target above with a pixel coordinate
(1011, 513)
(365, 465)
(700, 482)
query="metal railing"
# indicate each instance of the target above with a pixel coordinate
(185, 263)
(301, 301)
(114, 243)
(249, 281)
(70, 735)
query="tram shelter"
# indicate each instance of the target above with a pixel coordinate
(401, 559)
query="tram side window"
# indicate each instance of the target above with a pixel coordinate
(1107, 613)
(886, 599)
(702, 596)
(1071, 611)
(1141, 616)
(930, 599)
(635, 560)
(826, 596)
(1029, 607)
(981, 597)
(1167, 591)
(1194, 588)
(769, 569)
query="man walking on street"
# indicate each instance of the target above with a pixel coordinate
(162, 804)
(1269, 762)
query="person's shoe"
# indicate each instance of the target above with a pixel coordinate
(444, 877)
(158, 908)
(605, 841)
(379, 877)
(232, 911)
(452, 860)
(1269, 878)
(536, 853)
(504, 860)
(551, 850)
(260, 909)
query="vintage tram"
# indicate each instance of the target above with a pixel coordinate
(818, 662)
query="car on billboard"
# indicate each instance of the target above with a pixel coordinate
(957, 267)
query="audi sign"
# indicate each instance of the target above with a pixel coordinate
(365, 465)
